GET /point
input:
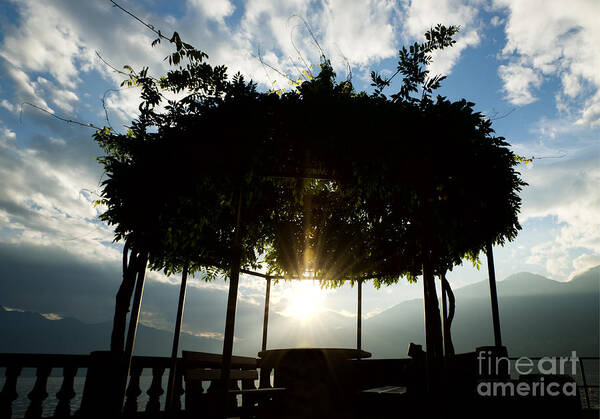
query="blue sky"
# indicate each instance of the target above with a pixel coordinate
(532, 66)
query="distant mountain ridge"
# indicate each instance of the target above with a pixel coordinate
(525, 283)
(538, 316)
(27, 332)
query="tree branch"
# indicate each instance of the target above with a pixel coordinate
(149, 26)
(69, 121)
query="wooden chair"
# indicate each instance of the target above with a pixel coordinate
(201, 367)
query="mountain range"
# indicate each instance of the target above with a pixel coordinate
(538, 316)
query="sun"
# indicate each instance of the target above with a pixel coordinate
(305, 298)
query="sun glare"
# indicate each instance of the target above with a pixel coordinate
(304, 298)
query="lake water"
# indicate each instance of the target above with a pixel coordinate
(25, 384)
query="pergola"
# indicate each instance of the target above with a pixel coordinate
(268, 279)
(402, 187)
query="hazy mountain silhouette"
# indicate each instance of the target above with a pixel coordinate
(538, 316)
(527, 284)
(33, 333)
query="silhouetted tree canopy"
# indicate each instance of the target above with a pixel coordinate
(341, 183)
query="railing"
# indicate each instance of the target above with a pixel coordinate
(584, 384)
(378, 372)
(44, 365)
(158, 366)
(144, 395)
(145, 392)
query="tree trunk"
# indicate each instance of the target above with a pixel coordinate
(433, 325)
(231, 308)
(447, 291)
(123, 299)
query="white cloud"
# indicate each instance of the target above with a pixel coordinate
(40, 48)
(208, 335)
(518, 81)
(43, 200)
(374, 312)
(13, 309)
(497, 21)
(362, 32)
(155, 320)
(7, 105)
(25, 89)
(550, 38)
(63, 98)
(55, 44)
(7, 138)
(355, 33)
(566, 191)
(52, 316)
(585, 262)
(213, 9)
(61, 38)
(444, 60)
(590, 115)
(343, 313)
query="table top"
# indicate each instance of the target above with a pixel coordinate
(272, 357)
(387, 390)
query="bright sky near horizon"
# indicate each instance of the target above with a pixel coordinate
(532, 66)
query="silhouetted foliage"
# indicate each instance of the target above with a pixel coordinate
(342, 183)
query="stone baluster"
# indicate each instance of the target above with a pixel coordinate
(133, 391)
(233, 398)
(179, 390)
(248, 402)
(248, 384)
(38, 394)
(66, 393)
(9, 391)
(195, 397)
(213, 387)
(210, 401)
(265, 377)
(155, 390)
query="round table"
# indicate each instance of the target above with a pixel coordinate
(272, 357)
(320, 382)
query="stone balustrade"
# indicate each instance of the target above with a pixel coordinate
(44, 365)
(67, 368)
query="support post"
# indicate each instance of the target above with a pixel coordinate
(444, 316)
(448, 307)
(493, 295)
(135, 313)
(266, 317)
(104, 390)
(359, 318)
(586, 389)
(133, 320)
(123, 298)
(231, 307)
(176, 335)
